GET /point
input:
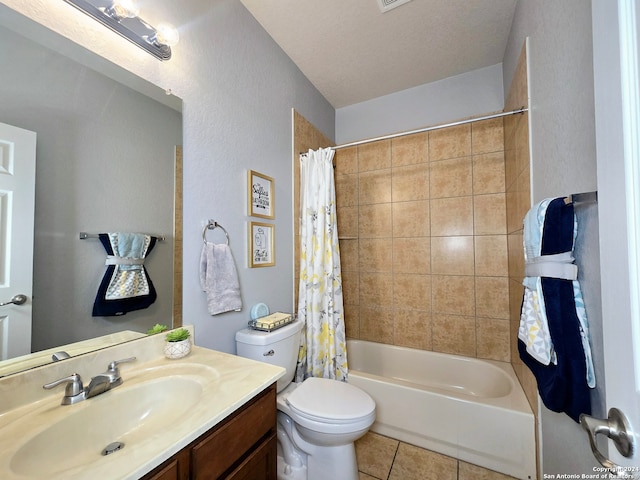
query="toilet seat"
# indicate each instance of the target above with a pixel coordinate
(326, 405)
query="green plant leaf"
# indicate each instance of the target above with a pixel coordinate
(178, 335)
(157, 328)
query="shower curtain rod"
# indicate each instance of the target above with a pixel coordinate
(428, 129)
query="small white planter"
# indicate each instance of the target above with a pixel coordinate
(177, 349)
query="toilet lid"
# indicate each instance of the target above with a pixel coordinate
(330, 400)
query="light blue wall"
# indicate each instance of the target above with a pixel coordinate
(237, 116)
(478, 92)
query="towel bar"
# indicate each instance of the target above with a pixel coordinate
(578, 198)
(85, 235)
(212, 224)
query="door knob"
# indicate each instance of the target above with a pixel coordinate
(617, 428)
(18, 299)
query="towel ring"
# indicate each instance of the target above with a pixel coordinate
(210, 226)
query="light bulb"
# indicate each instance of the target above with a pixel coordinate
(124, 8)
(166, 34)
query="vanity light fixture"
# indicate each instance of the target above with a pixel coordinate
(121, 16)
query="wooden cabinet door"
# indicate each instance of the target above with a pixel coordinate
(260, 465)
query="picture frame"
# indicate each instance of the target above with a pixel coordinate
(261, 195)
(262, 250)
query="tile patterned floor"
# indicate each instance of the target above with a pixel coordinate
(384, 458)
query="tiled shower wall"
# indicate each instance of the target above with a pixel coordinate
(422, 223)
(518, 180)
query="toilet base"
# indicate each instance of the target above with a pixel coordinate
(287, 472)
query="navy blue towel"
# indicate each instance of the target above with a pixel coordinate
(562, 387)
(105, 307)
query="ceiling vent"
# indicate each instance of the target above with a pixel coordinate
(386, 5)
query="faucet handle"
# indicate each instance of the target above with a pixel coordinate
(113, 366)
(74, 390)
(113, 373)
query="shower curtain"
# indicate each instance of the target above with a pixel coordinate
(323, 349)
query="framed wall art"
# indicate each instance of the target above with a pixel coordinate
(262, 250)
(261, 195)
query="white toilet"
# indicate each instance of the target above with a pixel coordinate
(318, 419)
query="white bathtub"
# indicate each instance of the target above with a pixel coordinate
(473, 410)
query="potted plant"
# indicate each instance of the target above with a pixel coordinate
(178, 343)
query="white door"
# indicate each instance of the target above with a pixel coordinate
(17, 194)
(617, 101)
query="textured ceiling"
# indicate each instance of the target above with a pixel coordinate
(352, 52)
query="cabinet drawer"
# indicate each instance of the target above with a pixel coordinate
(215, 454)
(260, 465)
(176, 468)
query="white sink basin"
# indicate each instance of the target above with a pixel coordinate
(127, 414)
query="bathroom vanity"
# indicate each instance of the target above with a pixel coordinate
(208, 415)
(242, 447)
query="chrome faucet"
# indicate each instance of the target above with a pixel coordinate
(75, 392)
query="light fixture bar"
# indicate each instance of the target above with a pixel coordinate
(134, 29)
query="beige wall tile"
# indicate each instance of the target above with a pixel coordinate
(454, 334)
(349, 255)
(452, 255)
(346, 161)
(347, 221)
(489, 214)
(491, 255)
(450, 142)
(410, 183)
(413, 463)
(375, 454)
(412, 328)
(453, 294)
(376, 324)
(351, 287)
(489, 173)
(347, 190)
(374, 221)
(412, 255)
(411, 219)
(510, 161)
(492, 339)
(375, 255)
(412, 292)
(374, 187)
(522, 143)
(514, 221)
(374, 156)
(451, 178)
(352, 321)
(452, 216)
(523, 195)
(516, 255)
(376, 290)
(492, 297)
(409, 149)
(487, 136)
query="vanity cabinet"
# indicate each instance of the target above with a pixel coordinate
(241, 447)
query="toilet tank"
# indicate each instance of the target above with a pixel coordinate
(279, 347)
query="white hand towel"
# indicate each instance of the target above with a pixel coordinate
(219, 279)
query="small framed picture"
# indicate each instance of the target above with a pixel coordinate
(262, 250)
(261, 195)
